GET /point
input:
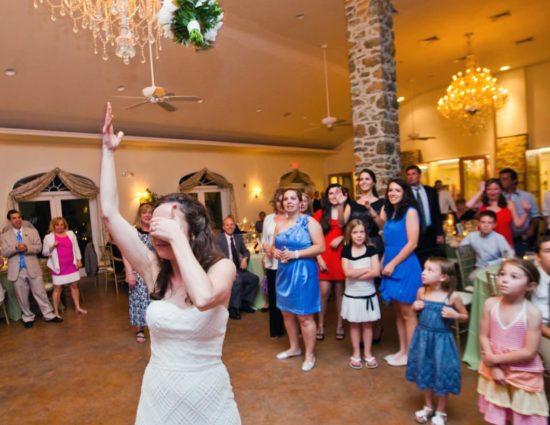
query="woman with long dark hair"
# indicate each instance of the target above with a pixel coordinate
(191, 283)
(332, 219)
(493, 199)
(367, 206)
(400, 267)
(297, 241)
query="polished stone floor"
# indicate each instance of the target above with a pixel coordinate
(88, 370)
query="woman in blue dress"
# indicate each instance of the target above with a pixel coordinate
(400, 267)
(298, 240)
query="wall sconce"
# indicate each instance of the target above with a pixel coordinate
(256, 192)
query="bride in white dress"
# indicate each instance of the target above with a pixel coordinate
(185, 381)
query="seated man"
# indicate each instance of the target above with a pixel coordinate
(490, 247)
(246, 283)
(540, 298)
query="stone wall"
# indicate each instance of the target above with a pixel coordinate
(373, 87)
(510, 153)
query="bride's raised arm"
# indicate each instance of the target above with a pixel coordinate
(124, 234)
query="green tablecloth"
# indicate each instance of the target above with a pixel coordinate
(472, 354)
(256, 266)
(13, 306)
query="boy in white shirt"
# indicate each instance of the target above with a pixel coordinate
(490, 247)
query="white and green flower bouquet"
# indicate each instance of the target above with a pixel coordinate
(191, 22)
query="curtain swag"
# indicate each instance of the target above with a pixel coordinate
(193, 181)
(77, 185)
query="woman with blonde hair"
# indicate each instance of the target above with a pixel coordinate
(138, 295)
(64, 260)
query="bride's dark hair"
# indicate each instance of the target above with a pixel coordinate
(200, 237)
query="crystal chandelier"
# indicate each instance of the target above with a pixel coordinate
(120, 24)
(473, 95)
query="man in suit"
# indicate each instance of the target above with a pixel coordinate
(431, 226)
(21, 244)
(246, 284)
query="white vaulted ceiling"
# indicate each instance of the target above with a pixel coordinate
(264, 59)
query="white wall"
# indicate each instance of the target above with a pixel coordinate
(449, 142)
(160, 169)
(512, 118)
(538, 115)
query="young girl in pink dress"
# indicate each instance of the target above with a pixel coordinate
(61, 246)
(511, 386)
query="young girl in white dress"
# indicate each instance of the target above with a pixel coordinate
(360, 304)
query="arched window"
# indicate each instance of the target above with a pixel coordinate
(213, 191)
(55, 200)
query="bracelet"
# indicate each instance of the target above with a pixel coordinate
(296, 254)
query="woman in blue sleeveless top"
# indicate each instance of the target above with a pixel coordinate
(400, 267)
(297, 241)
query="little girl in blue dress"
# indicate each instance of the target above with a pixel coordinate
(433, 360)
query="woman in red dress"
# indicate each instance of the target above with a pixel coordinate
(331, 218)
(493, 199)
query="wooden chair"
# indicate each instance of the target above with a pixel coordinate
(106, 266)
(466, 257)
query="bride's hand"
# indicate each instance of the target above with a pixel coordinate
(110, 140)
(167, 229)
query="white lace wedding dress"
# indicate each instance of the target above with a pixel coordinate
(185, 381)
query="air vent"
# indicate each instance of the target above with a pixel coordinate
(498, 16)
(431, 39)
(525, 40)
(287, 114)
(460, 59)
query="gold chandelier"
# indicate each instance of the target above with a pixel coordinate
(473, 95)
(119, 24)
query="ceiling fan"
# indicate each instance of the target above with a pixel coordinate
(329, 122)
(158, 95)
(413, 135)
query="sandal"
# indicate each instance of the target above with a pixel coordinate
(370, 362)
(140, 337)
(340, 334)
(424, 415)
(320, 335)
(439, 418)
(355, 363)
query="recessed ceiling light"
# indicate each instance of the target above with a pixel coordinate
(505, 68)
(10, 72)
(121, 88)
(300, 16)
(259, 110)
(201, 100)
(401, 99)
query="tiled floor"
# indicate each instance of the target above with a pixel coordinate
(88, 370)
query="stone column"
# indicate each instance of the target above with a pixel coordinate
(373, 87)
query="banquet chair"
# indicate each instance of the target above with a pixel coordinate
(492, 289)
(106, 266)
(466, 257)
(5, 311)
(466, 298)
